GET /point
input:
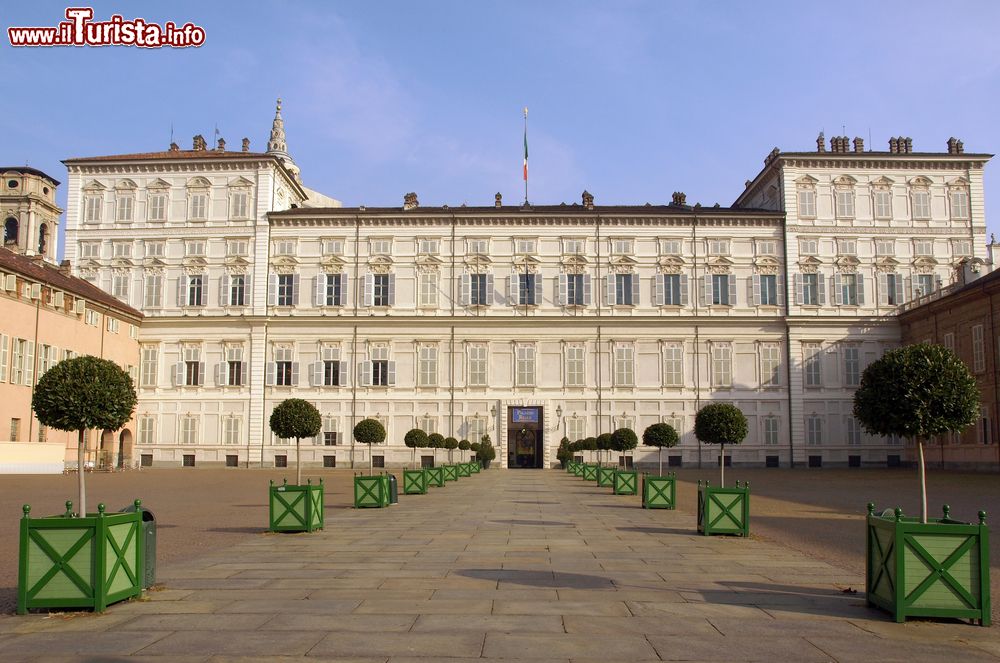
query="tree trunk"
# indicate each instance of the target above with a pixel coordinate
(923, 481)
(298, 464)
(414, 461)
(722, 467)
(661, 461)
(80, 470)
(371, 461)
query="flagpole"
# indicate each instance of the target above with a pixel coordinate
(526, 155)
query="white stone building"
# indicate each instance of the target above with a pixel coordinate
(527, 323)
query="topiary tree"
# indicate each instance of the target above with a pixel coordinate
(486, 451)
(415, 438)
(294, 417)
(475, 446)
(369, 431)
(624, 439)
(722, 424)
(464, 445)
(660, 436)
(915, 392)
(564, 454)
(435, 441)
(450, 443)
(590, 444)
(83, 393)
(603, 442)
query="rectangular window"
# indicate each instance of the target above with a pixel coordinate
(477, 246)
(146, 430)
(882, 204)
(722, 365)
(814, 430)
(624, 366)
(232, 427)
(524, 246)
(845, 204)
(766, 247)
(961, 248)
(427, 366)
(718, 247)
(477, 290)
(847, 247)
(673, 365)
(923, 247)
(125, 205)
(92, 211)
(624, 289)
(333, 247)
(959, 204)
(808, 246)
(810, 290)
(427, 292)
(153, 293)
(885, 247)
(770, 364)
(720, 289)
(121, 249)
(978, 349)
(113, 324)
(4, 356)
(921, 204)
(17, 366)
(119, 285)
(813, 364)
(770, 430)
(849, 289)
(198, 206)
(769, 289)
(672, 290)
(192, 367)
(284, 247)
(621, 247)
(477, 365)
(90, 249)
(526, 289)
(893, 288)
(148, 366)
(332, 376)
(240, 202)
(576, 428)
(924, 284)
(380, 366)
(380, 289)
(333, 289)
(15, 429)
(284, 373)
(807, 203)
(331, 431)
(238, 290)
(949, 341)
(196, 290)
(852, 431)
(286, 289)
(852, 366)
(574, 290)
(573, 246)
(428, 246)
(237, 247)
(525, 371)
(196, 248)
(381, 246)
(189, 431)
(575, 366)
(155, 249)
(157, 207)
(234, 367)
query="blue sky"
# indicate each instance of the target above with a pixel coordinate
(631, 100)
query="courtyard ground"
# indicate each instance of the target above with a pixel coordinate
(541, 556)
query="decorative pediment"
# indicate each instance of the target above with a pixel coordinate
(844, 180)
(236, 261)
(284, 264)
(195, 262)
(94, 185)
(809, 264)
(426, 263)
(198, 183)
(847, 264)
(121, 263)
(807, 181)
(238, 268)
(332, 264)
(575, 261)
(154, 266)
(126, 185)
(240, 182)
(886, 264)
(924, 265)
(958, 183)
(720, 265)
(90, 264)
(671, 265)
(766, 265)
(380, 264)
(920, 181)
(158, 184)
(882, 182)
(523, 262)
(478, 263)
(192, 269)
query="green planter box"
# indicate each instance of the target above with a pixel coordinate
(659, 492)
(571, 466)
(937, 569)
(435, 476)
(87, 562)
(295, 508)
(414, 482)
(464, 470)
(474, 466)
(606, 476)
(626, 482)
(724, 510)
(450, 472)
(590, 472)
(371, 491)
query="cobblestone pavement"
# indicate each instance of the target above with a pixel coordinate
(503, 566)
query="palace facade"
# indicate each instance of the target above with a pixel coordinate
(524, 322)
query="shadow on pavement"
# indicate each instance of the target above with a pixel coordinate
(547, 579)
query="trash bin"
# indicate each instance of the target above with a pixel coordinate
(393, 489)
(149, 550)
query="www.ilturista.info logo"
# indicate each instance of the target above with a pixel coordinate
(80, 30)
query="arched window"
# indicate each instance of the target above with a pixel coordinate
(43, 238)
(10, 228)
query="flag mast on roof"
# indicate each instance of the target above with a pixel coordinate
(526, 155)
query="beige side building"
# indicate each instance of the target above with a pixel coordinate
(47, 315)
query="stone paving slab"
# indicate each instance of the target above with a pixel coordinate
(502, 566)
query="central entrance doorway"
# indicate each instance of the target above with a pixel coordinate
(525, 437)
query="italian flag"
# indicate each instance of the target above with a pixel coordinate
(525, 153)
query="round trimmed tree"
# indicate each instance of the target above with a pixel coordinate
(624, 439)
(591, 444)
(450, 443)
(917, 391)
(435, 441)
(603, 442)
(464, 445)
(660, 436)
(369, 431)
(722, 424)
(415, 438)
(83, 393)
(474, 447)
(294, 417)
(564, 455)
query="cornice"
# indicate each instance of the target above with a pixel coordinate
(879, 230)
(161, 167)
(511, 221)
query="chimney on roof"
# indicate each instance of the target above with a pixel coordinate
(221, 145)
(410, 201)
(199, 143)
(246, 144)
(959, 147)
(908, 145)
(174, 147)
(588, 199)
(679, 199)
(893, 145)
(821, 142)
(65, 268)
(859, 144)
(771, 156)
(498, 200)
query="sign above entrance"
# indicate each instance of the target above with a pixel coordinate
(524, 415)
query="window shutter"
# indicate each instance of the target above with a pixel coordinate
(269, 373)
(295, 290)
(220, 374)
(369, 294)
(392, 289)
(512, 290)
(587, 290)
(798, 289)
(538, 290)
(732, 289)
(684, 290)
(203, 296)
(182, 290)
(342, 378)
(883, 289)
(316, 374)
(755, 289)
(244, 373)
(201, 373)
(464, 289)
(659, 299)
(272, 290)
(838, 290)
(247, 290)
(343, 289)
(899, 289)
(562, 287)
(861, 290)
(910, 288)
(821, 285)
(635, 289)
(366, 373)
(779, 288)
(701, 290)
(295, 373)
(319, 290)
(179, 374)
(609, 290)
(224, 290)
(392, 373)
